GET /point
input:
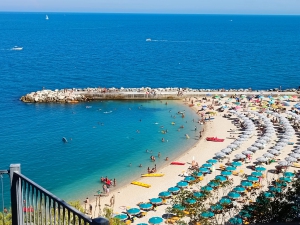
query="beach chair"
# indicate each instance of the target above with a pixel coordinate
(297, 165)
(222, 167)
(235, 173)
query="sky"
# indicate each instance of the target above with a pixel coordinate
(273, 7)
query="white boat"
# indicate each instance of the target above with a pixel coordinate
(47, 18)
(148, 39)
(16, 48)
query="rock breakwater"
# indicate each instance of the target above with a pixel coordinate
(88, 94)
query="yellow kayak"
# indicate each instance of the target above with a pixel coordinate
(141, 184)
(153, 175)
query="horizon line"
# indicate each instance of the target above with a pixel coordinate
(151, 13)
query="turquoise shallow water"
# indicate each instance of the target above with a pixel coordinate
(104, 138)
(110, 50)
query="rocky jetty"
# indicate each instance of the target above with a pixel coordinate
(87, 94)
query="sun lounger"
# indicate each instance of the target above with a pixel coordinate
(235, 173)
(296, 165)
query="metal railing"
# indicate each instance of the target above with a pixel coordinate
(31, 204)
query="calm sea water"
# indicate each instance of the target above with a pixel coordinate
(110, 50)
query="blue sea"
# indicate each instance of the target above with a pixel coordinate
(110, 50)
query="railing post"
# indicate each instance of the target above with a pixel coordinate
(100, 221)
(14, 168)
(14, 193)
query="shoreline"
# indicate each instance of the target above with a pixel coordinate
(74, 95)
(165, 163)
(165, 168)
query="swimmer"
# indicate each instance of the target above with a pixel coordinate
(147, 150)
(158, 155)
(163, 140)
(129, 164)
(140, 165)
(167, 158)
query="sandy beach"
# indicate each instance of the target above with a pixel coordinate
(130, 195)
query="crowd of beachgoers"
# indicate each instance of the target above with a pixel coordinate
(250, 140)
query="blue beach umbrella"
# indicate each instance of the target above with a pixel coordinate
(285, 179)
(213, 184)
(212, 161)
(203, 170)
(236, 163)
(234, 194)
(133, 211)
(207, 165)
(216, 207)
(207, 214)
(268, 194)
(280, 184)
(199, 174)
(252, 179)
(235, 220)
(288, 174)
(121, 216)
(225, 201)
(244, 214)
(246, 184)
(156, 200)
(256, 174)
(221, 178)
(207, 188)
(230, 168)
(239, 189)
(145, 206)
(182, 184)
(189, 179)
(155, 220)
(226, 173)
(190, 201)
(178, 207)
(275, 189)
(198, 194)
(164, 194)
(174, 189)
(260, 169)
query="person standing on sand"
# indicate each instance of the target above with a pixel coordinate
(115, 182)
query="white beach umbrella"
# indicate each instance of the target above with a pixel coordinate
(226, 150)
(268, 155)
(278, 148)
(261, 141)
(240, 156)
(232, 146)
(262, 159)
(246, 152)
(283, 144)
(220, 154)
(295, 155)
(252, 148)
(297, 151)
(274, 152)
(259, 145)
(283, 163)
(290, 159)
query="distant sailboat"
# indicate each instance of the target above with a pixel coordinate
(47, 18)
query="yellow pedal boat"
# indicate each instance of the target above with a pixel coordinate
(153, 175)
(141, 184)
